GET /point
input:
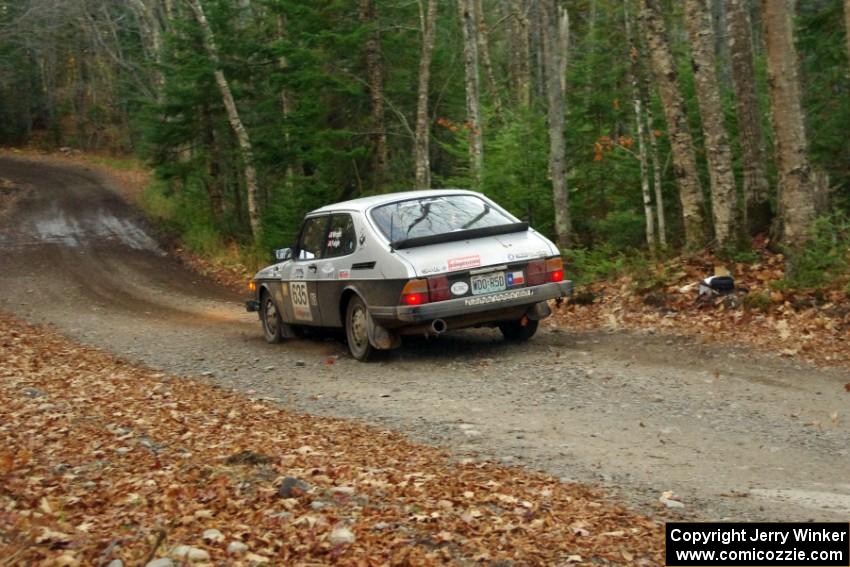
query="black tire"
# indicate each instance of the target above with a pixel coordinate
(271, 319)
(356, 330)
(516, 332)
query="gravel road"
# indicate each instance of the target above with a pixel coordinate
(733, 433)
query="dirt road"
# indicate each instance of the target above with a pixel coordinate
(734, 434)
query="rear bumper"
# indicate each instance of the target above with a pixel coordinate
(503, 300)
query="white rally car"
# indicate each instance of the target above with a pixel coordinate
(419, 262)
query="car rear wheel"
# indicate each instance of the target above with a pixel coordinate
(272, 322)
(515, 331)
(357, 329)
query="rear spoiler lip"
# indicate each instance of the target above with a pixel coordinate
(459, 235)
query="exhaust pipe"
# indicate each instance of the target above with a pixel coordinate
(438, 326)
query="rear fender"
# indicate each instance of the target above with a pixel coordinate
(379, 336)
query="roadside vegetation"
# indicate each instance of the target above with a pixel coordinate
(646, 128)
(649, 138)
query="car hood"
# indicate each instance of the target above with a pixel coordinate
(478, 252)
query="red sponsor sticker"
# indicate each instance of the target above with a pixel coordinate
(344, 274)
(464, 262)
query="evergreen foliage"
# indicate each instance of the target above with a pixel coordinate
(315, 148)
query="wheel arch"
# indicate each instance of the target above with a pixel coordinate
(347, 293)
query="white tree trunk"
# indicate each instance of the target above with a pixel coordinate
(421, 144)
(681, 142)
(473, 89)
(637, 104)
(557, 111)
(245, 148)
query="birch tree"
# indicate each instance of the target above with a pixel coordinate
(750, 137)
(637, 105)
(796, 183)
(473, 90)
(721, 176)
(246, 150)
(681, 142)
(556, 110)
(421, 143)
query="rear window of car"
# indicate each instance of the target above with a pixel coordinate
(429, 216)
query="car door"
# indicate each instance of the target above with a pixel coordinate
(301, 275)
(334, 267)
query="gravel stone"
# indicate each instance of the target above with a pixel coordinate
(291, 487)
(236, 548)
(341, 536)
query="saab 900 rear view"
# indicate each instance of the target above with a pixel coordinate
(422, 262)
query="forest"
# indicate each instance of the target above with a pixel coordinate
(620, 128)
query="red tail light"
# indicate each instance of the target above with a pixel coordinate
(542, 271)
(438, 288)
(415, 298)
(415, 292)
(555, 269)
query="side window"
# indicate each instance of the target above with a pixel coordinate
(342, 238)
(312, 239)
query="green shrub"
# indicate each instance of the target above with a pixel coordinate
(824, 258)
(590, 265)
(757, 301)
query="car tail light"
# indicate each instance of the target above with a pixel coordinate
(555, 269)
(438, 288)
(535, 271)
(415, 292)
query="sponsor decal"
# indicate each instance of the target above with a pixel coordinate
(498, 297)
(334, 238)
(464, 262)
(313, 299)
(518, 256)
(515, 278)
(327, 269)
(344, 274)
(459, 288)
(299, 274)
(432, 270)
(300, 301)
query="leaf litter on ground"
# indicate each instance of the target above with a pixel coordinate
(812, 325)
(103, 460)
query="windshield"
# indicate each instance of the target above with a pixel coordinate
(429, 216)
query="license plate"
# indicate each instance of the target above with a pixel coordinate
(487, 283)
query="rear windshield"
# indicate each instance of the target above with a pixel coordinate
(429, 216)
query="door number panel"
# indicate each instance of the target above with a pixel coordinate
(300, 301)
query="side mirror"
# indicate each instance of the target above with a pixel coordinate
(283, 254)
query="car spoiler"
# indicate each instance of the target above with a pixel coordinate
(459, 235)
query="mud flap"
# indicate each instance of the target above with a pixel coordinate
(379, 337)
(539, 311)
(287, 331)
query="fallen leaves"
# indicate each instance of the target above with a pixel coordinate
(814, 325)
(100, 460)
